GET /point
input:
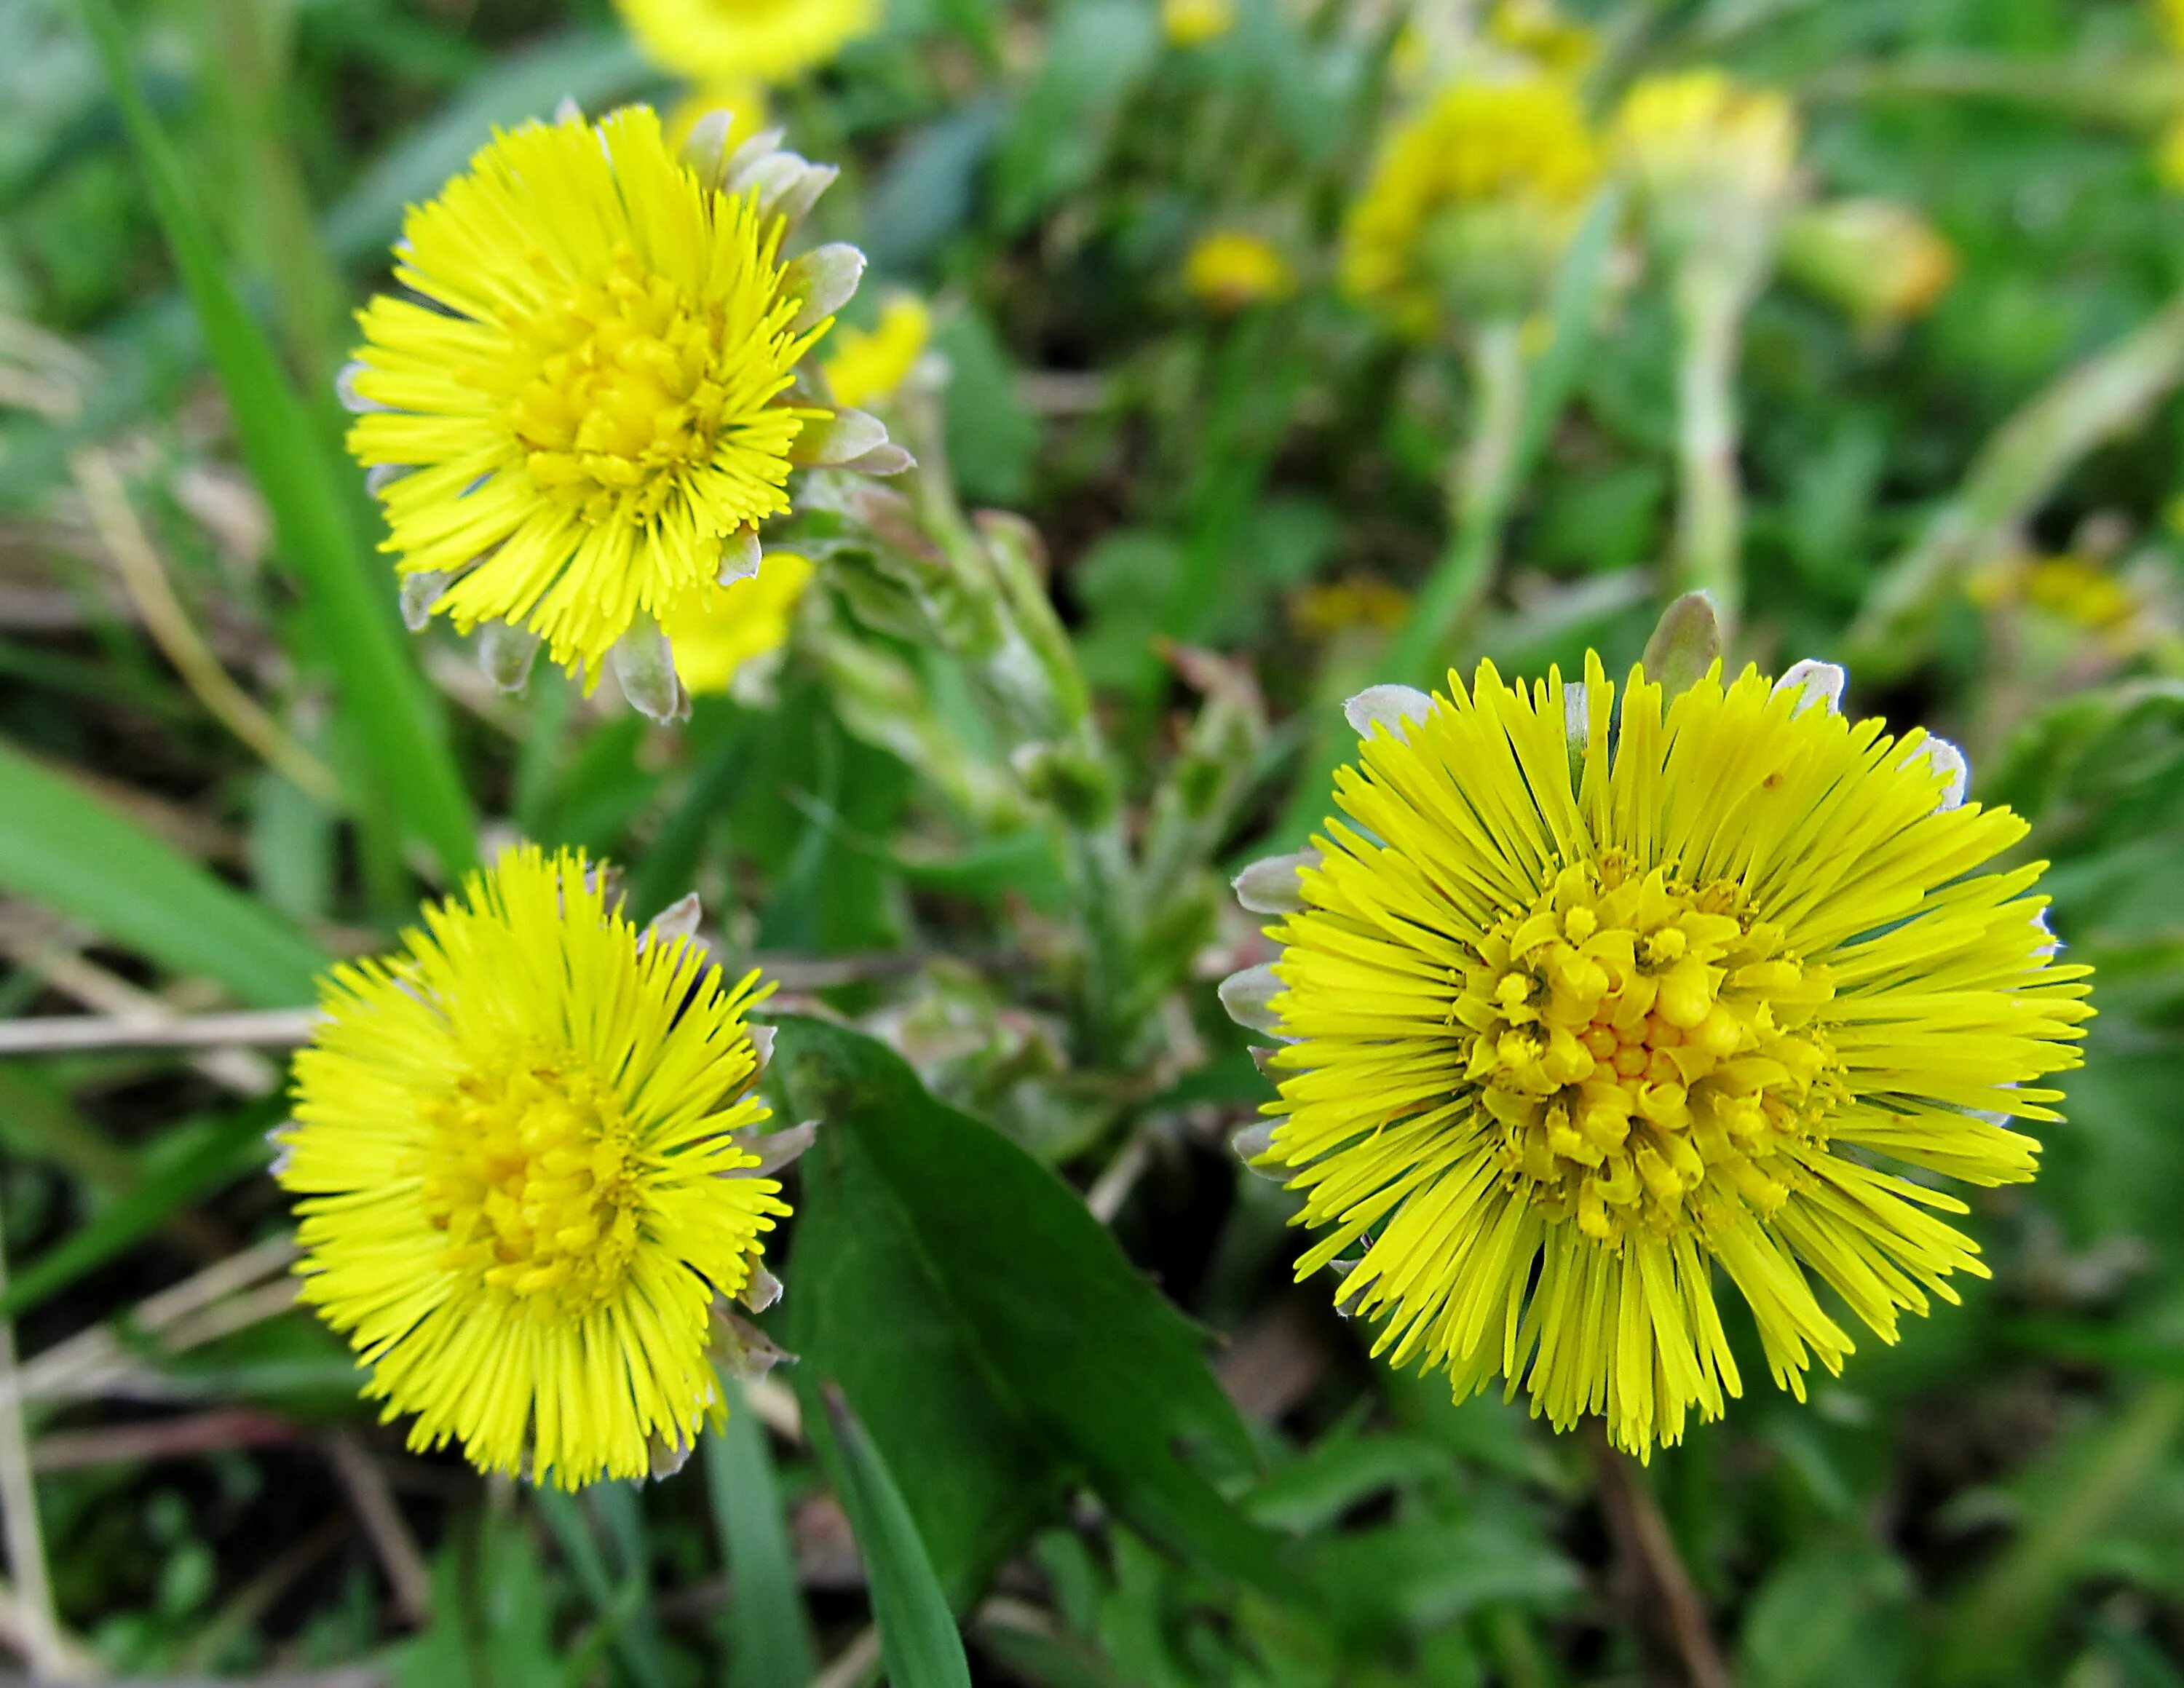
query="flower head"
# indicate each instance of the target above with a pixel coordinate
(1881, 261)
(714, 40)
(522, 1187)
(1230, 269)
(1192, 23)
(1584, 1002)
(1698, 136)
(586, 407)
(738, 623)
(1537, 30)
(1470, 199)
(866, 366)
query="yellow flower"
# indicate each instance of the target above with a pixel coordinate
(522, 1190)
(1696, 131)
(1334, 607)
(2080, 591)
(711, 40)
(577, 422)
(1584, 1003)
(866, 368)
(1192, 23)
(736, 623)
(1231, 269)
(1472, 196)
(1536, 29)
(1882, 261)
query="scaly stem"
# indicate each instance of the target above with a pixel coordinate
(1710, 512)
(1483, 483)
(2017, 472)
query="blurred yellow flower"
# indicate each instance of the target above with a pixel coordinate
(1880, 261)
(865, 366)
(1585, 1005)
(1697, 132)
(736, 623)
(1538, 30)
(523, 1196)
(1335, 607)
(739, 40)
(574, 433)
(1231, 269)
(1191, 23)
(1470, 197)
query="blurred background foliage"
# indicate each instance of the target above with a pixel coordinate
(219, 763)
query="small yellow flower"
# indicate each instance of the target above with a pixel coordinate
(1337, 607)
(583, 411)
(1472, 196)
(1585, 1004)
(2078, 590)
(523, 1196)
(738, 622)
(1696, 131)
(1192, 23)
(712, 41)
(867, 367)
(1536, 29)
(1230, 269)
(1882, 261)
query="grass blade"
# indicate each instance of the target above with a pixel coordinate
(769, 1643)
(918, 1631)
(63, 848)
(351, 599)
(615, 1608)
(228, 1149)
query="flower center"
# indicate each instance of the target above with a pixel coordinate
(633, 384)
(529, 1170)
(1641, 1045)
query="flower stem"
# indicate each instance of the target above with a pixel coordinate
(2017, 470)
(1710, 510)
(1482, 485)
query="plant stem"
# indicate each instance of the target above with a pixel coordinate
(1710, 510)
(18, 1514)
(2017, 470)
(1482, 485)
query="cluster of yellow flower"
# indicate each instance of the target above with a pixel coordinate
(1594, 987)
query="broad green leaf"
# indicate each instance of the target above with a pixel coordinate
(990, 1332)
(64, 849)
(350, 595)
(228, 1149)
(918, 1631)
(1831, 1616)
(769, 1641)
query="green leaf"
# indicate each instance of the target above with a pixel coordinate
(769, 1642)
(350, 597)
(989, 1331)
(617, 1608)
(63, 848)
(917, 1632)
(230, 1148)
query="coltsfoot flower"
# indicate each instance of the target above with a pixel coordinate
(1470, 200)
(734, 40)
(866, 366)
(1715, 161)
(1193, 23)
(1582, 1005)
(739, 624)
(581, 417)
(1231, 269)
(524, 1193)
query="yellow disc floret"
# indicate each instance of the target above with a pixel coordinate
(588, 397)
(522, 1187)
(1583, 1004)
